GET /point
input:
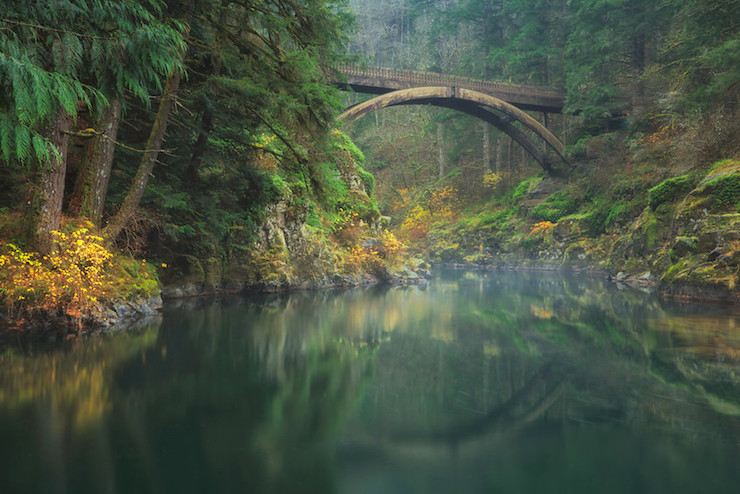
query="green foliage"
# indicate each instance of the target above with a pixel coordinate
(340, 142)
(255, 129)
(55, 58)
(725, 190)
(617, 212)
(561, 203)
(670, 190)
(225, 208)
(607, 39)
(328, 186)
(596, 218)
(496, 218)
(525, 187)
(702, 52)
(579, 149)
(368, 180)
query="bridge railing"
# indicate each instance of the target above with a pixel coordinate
(435, 79)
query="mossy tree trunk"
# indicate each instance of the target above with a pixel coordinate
(94, 175)
(156, 137)
(48, 195)
(153, 144)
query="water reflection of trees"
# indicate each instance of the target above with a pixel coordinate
(54, 407)
(620, 352)
(223, 397)
(249, 394)
(253, 388)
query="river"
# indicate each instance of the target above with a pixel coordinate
(476, 382)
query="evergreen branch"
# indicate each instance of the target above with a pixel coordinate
(249, 6)
(301, 159)
(238, 42)
(57, 30)
(51, 76)
(270, 151)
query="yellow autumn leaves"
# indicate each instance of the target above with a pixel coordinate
(71, 279)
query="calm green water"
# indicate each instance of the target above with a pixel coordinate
(498, 382)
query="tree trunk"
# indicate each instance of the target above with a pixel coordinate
(156, 137)
(153, 144)
(46, 202)
(486, 148)
(200, 146)
(510, 154)
(637, 69)
(92, 182)
(441, 140)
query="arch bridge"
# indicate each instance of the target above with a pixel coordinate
(499, 104)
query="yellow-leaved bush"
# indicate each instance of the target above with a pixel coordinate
(386, 253)
(491, 180)
(78, 273)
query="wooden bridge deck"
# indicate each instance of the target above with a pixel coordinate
(380, 80)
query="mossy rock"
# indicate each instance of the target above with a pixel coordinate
(724, 192)
(635, 265)
(239, 269)
(576, 254)
(567, 229)
(185, 270)
(646, 233)
(718, 191)
(721, 169)
(213, 271)
(618, 253)
(670, 190)
(526, 188)
(708, 241)
(684, 246)
(692, 278)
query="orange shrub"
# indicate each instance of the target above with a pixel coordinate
(542, 227)
(386, 252)
(367, 260)
(443, 203)
(390, 249)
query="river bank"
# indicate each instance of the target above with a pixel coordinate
(108, 315)
(710, 293)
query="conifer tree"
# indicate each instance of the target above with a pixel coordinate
(38, 75)
(147, 53)
(252, 64)
(702, 51)
(606, 56)
(46, 53)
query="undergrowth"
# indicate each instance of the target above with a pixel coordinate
(73, 280)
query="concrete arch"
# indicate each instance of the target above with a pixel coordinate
(473, 103)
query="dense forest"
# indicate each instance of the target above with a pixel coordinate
(650, 125)
(193, 144)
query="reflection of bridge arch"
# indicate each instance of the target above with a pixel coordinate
(473, 103)
(525, 406)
